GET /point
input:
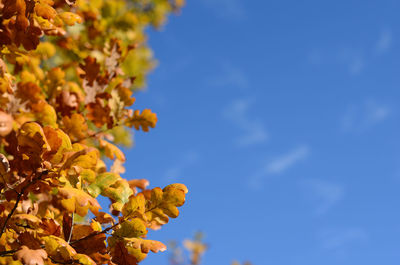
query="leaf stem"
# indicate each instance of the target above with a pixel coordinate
(94, 234)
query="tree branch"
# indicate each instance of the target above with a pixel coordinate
(94, 234)
(7, 253)
(19, 196)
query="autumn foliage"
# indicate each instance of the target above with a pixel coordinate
(68, 73)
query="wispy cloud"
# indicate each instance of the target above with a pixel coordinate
(229, 9)
(229, 76)
(356, 65)
(353, 60)
(384, 42)
(328, 194)
(361, 117)
(286, 161)
(177, 171)
(254, 130)
(339, 239)
(279, 165)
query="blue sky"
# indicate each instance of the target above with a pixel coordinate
(282, 118)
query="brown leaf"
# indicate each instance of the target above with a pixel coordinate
(121, 256)
(50, 227)
(67, 225)
(53, 140)
(91, 69)
(28, 91)
(90, 246)
(102, 258)
(104, 218)
(67, 102)
(28, 240)
(28, 38)
(99, 114)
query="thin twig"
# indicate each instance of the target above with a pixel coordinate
(95, 134)
(19, 196)
(94, 234)
(72, 228)
(7, 253)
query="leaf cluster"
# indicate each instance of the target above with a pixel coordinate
(68, 74)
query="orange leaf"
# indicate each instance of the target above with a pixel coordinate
(45, 11)
(31, 257)
(75, 126)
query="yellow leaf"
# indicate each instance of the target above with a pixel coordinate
(174, 196)
(118, 192)
(47, 115)
(83, 259)
(69, 204)
(96, 226)
(133, 228)
(45, 11)
(57, 247)
(70, 18)
(59, 143)
(112, 151)
(146, 245)
(82, 199)
(135, 205)
(9, 261)
(75, 126)
(156, 196)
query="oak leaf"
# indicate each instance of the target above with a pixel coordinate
(121, 256)
(92, 70)
(78, 200)
(144, 120)
(32, 141)
(75, 126)
(50, 227)
(119, 193)
(31, 257)
(132, 228)
(112, 151)
(139, 183)
(146, 245)
(104, 218)
(70, 18)
(100, 115)
(102, 182)
(136, 206)
(44, 10)
(58, 248)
